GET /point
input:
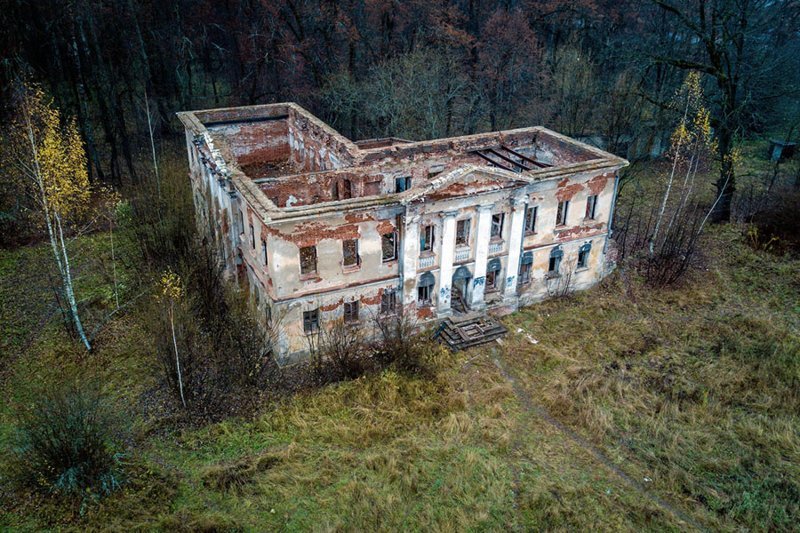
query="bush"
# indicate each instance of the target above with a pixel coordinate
(224, 351)
(399, 344)
(339, 352)
(65, 443)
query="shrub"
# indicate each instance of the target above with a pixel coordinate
(398, 343)
(338, 352)
(65, 443)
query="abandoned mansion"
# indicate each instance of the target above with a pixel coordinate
(321, 228)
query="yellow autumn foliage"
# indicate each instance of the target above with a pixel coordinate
(52, 155)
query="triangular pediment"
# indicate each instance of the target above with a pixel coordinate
(463, 182)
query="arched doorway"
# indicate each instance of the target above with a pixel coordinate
(459, 297)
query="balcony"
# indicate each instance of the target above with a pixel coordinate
(495, 247)
(426, 261)
(462, 255)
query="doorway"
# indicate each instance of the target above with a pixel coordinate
(460, 296)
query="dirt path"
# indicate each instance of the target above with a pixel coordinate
(531, 407)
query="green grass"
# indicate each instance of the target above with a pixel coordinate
(696, 388)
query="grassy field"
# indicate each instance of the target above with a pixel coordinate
(629, 408)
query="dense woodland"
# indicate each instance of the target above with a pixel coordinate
(415, 69)
(141, 391)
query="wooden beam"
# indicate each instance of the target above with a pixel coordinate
(492, 161)
(526, 158)
(506, 158)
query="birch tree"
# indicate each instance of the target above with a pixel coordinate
(48, 156)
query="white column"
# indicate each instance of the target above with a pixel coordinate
(446, 261)
(518, 206)
(410, 257)
(482, 234)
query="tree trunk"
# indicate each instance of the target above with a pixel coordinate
(68, 287)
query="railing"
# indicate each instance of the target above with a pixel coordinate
(495, 247)
(462, 255)
(427, 261)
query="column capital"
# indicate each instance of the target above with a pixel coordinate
(485, 207)
(449, 214)
(519, 202)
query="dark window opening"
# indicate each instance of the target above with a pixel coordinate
(389, 246)
(311, 321)
(591, 206)
(561, 213)
(530, 219)
(402, 184)
(425, 289)
(525, 274)
(350, 252)
(344, 189)
(424, 295)
(462, 232)
(350, 312)
(264, 252)
(493, 275)
(426, 240)
(555, 261)
(388, 302)
(497, 225)
(525, 268)
(583, 255)
(308, 260)
(252, 237)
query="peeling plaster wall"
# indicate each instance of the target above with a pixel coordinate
(299, 161)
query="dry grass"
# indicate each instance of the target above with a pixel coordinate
(696, 388)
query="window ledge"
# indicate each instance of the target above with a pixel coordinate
(309, 275)
(351, 268)
(552, 275)
(582, 269)
(462, 246)
(495, 240)
(427, 253)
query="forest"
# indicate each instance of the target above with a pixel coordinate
(668, 397)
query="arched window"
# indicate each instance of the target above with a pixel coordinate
(583, 255)
(493, 274)
(555, 261)
(425, 288)
(525, 267)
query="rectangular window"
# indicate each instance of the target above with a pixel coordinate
(264, 252)
(525, 273)
(388, 302)
(241, 222)
(311, 321)
(462, 232)
(530, 219)
(497, 225)
(561, 214)
(591, 206)
(252, 237)
(350, 252)
(555, 262)
(344, 189)
(389, 246)
(402, 184)
(491, 280)
(308, 260)
(424, 294)
(350, 312)
(426, 240)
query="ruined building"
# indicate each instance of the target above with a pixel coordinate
(321, 228)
